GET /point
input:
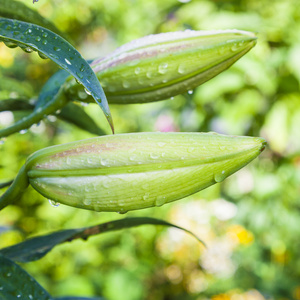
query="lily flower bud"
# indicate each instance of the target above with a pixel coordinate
(160, 66)
(133, 171)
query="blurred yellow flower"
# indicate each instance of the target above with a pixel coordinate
(6, 58)
(240, 234)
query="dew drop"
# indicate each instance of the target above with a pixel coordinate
(82, 68)
(44, 42)
(104, 162)
(68, 62)
(126, 84)
(56, 49)
(10, 44)
(45, 34)
(161, 144)
(163, 68)
(80, 75)
(23, 131)
(133, 157)
(53, 203)
(42, 55)
(87, 201)
(160, 200)
(181, 69)
(137, 70)
(146, 196)
(220, 176)
(154, 155)
(38, 38)
(234, 47)
(190, 92)
(27, 50)
(88, 92)
(149, 74)
(222, 50)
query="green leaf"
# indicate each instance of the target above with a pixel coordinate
(36, 248)
(77, 298)
(5, 184)
(17, 87)
(75, 115)
(15, 105)
(51, 88)
(32, 37)
(16, 10)
(16, 283)
(71, 113)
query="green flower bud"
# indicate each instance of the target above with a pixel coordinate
(134, 171)
(160, 66)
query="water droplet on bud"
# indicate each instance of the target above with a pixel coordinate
(160, 200)
(53, 203)
(220, 176)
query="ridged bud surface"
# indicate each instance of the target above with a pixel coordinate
(160, 66)
(134, 171)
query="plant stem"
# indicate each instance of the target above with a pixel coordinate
(55, 104)
(17, 188)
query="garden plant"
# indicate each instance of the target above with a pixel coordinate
(110, 171)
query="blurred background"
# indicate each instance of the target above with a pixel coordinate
(250, 222)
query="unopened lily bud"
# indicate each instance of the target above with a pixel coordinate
(133, 171)
(160, 66)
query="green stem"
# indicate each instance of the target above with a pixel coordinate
(15, 191)
(57, 103)
(5, 184)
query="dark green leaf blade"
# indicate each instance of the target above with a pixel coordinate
(51, 88)
(74, 114)
(31, 37)
(15, 105)
(36, 248)
(17, 10)
(16, 283)
(78, 298)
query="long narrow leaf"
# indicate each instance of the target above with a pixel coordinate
(71, 113)
(16, 283)
(17, 10)
(36, 248)
(15, 105)
(31, 37)
(75, 115)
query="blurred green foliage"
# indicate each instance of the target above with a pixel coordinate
(250, 222)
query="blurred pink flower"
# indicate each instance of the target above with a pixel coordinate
(165, 123)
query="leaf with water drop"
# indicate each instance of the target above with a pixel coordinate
(16, 283)
(35, 248)
(17, 10)
(78, 298)
(71, 113)
(57, 49)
